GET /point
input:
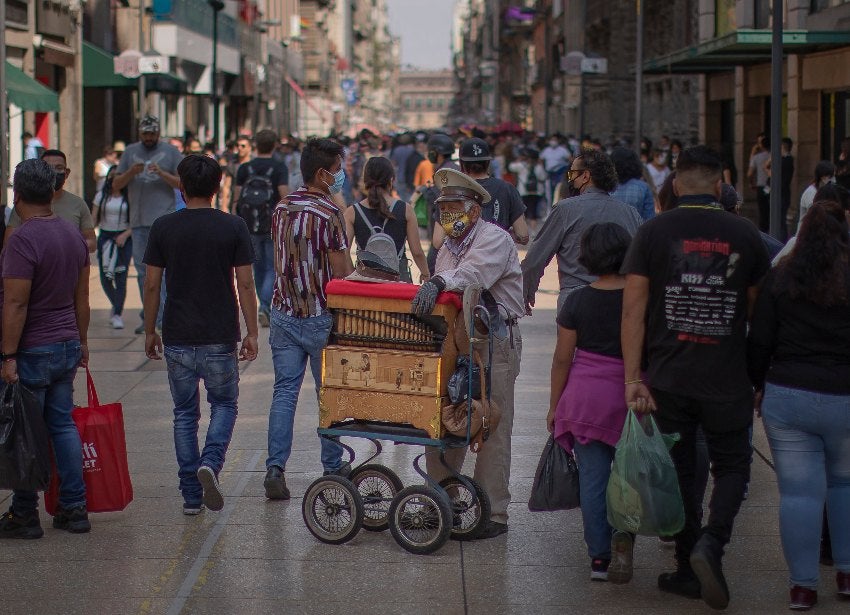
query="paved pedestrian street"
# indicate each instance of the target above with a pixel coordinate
(256, 556)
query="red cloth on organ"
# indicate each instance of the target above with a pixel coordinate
(390, 290)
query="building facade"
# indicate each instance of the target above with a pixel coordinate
(425, 98)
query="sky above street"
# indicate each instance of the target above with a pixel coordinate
(425, 29)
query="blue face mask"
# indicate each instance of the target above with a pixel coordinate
(339, 180)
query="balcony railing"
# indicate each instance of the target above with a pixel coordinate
(197, 16)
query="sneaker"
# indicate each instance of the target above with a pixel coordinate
(74, 520)
(622, 555)
(116, 321)
(493, 529)
(842, 579)
(599, 569)
(706, 562)
(683, 582)
(802, 598)
(344, 470)
(275, 484)
(263, 319)
(192, 509)
(140, 329)
(213, 498)
(20, 526)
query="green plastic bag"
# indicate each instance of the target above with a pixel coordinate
(421, 209)
(643, 494)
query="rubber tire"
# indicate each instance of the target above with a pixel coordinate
(352, 498)
(390, 479)
(482, 500)
(438, 502)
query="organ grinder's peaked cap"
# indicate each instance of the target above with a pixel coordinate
(457, 186)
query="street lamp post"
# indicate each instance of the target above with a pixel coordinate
(775, 222)
(217, 6)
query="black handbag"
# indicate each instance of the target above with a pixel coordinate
(24, 440)
(556, 480)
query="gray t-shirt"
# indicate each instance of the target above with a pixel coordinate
(69, 207)
(149, 195)
(757, 163)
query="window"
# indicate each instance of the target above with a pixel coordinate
(762, 14)
(724, 17)
(407, 103)
(429, 103)
(418, 103)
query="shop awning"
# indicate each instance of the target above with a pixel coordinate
(166, 83)
(27, 93)
(742, 47)
(99, 69)
(303, 95)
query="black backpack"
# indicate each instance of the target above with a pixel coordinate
(257, 200)
(531, 181)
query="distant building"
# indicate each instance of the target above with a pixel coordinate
(425, 97)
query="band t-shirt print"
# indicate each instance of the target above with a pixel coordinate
(700, 261)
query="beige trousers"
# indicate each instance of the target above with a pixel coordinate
(493, 462)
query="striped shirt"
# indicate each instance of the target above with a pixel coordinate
(306, 226)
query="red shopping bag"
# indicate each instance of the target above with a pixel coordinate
(105, 469)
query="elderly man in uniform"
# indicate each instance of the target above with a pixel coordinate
(480, 254)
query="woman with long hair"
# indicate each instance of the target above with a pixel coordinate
(381, 212)
(111, 214)
(799, 362)
(824, 175)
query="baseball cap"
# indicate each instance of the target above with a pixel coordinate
(475, 150)
(149, 123)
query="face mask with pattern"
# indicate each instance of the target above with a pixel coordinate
(455, 224)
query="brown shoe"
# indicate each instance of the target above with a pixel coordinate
(843, 581)
(802, 598)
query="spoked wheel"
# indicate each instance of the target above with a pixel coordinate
(333, 509)
(470, 509)
(378, 485)
(420, 519)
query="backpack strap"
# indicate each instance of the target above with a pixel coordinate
(370, 226)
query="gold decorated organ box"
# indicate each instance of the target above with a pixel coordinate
(382, 363)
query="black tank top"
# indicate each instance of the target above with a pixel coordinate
(397, 229)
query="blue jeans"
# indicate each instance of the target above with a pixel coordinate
(594, 461)
(116, 288)
(48, 371)
(294, 341)
(809, 435)
(218, 366)
(264, 274)
(140, 244)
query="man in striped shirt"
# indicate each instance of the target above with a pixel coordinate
(310, 249)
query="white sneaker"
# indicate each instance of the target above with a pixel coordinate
(116, 322)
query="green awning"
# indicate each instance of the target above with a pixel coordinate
(99, 70)
(27, 93)
(166, 83)
(740, 48)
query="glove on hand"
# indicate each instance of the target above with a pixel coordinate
(425, 299)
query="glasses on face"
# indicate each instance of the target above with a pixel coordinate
(573, 173)
(243, 145)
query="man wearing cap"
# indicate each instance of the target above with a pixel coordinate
(149, 168)
(478, 253)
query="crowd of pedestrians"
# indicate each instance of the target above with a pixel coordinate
(667, 304)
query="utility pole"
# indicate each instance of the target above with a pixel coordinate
(776, 121)
(638, 76)
(4, 110)
(141, 82)
(217, 6)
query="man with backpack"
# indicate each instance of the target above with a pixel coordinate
(260, 184)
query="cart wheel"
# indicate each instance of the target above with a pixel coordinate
(470, 509)
(378, 485)
(333, 509)
(420, 519)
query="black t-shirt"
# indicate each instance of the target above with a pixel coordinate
(505, 205)
(700, 261)
(198, 248)
(395, 228)
(260, 166)
(594, 314)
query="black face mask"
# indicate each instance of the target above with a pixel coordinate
(59, 181)
(432, 157)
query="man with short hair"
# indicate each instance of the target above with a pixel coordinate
(33, 147)
(479, 254)
(262, 176)
(760, 180)
(310, 248)
(65, 205)
(45, 321)
(149, 168)
(593, 176)
(201, 249)
(556, 160)
(691, 281)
